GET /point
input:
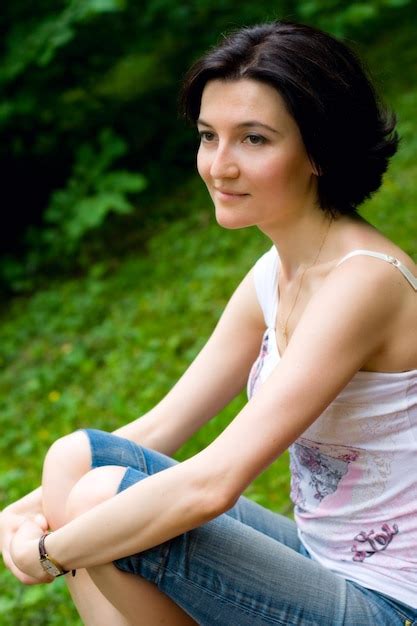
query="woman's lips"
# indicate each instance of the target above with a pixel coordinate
(224, 194)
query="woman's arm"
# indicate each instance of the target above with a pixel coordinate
(31, 503)
(216, 375)
(214, 378)
(343, 326)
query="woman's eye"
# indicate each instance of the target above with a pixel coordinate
(206, 136)
(255, 140)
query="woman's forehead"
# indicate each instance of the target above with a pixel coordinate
(240, 101)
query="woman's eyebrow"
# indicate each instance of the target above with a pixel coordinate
(252, 123)
(201, 122)
(248, 124)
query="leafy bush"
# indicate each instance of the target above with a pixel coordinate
(91, 193)
(76, 67)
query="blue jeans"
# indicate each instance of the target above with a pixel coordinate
(246, 567)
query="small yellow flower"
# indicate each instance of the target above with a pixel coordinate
(66, 348)
(54, 396)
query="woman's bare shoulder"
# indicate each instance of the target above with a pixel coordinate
(382, 292)
(358, 234)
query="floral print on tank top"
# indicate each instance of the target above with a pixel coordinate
(254, 376)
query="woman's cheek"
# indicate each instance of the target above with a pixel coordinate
(202, 164)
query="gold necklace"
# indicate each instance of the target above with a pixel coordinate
(284, 325)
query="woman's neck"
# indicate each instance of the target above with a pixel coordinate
(302, 242)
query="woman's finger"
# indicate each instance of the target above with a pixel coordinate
(21, 576)
(41, 521)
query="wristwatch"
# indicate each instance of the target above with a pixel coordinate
(50, 566)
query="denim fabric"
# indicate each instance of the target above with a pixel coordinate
(247, 566)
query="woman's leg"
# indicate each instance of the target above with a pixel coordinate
(139, 601)
(119, 598)
(67, 462)
(93, 607)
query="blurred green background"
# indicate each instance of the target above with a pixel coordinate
(112, 270)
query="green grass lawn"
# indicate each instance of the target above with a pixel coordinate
(101, 349)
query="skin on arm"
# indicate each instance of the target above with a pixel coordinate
(214, 378)
(346, 317)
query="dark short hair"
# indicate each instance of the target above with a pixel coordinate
(348, 134)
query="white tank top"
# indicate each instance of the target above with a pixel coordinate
(354, 470)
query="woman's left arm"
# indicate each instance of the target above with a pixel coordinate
(345, 324)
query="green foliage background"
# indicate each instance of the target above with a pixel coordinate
(115, 292)
(88, 114)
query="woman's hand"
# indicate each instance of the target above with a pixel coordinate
(24, 554)
(11, 529)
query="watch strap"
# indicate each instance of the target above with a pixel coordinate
(43, 556)
(42, 550)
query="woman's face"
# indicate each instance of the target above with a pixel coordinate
(252, 157)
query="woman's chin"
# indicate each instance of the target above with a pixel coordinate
(230, 220)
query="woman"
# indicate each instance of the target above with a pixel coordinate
(292, 141)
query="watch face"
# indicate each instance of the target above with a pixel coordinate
(50, 568)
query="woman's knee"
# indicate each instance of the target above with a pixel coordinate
(66, 461)
(71, 454)
(95, 487)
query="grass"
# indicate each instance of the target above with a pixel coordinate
(101, 349)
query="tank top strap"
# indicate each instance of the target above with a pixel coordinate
(265, 274)
(389, 259)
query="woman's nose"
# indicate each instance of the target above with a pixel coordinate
(224, 165)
